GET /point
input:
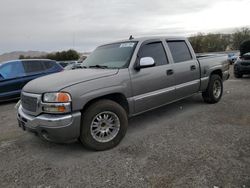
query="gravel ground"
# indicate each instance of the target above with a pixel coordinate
(185, 144)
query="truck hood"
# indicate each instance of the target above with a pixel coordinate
(58, 81)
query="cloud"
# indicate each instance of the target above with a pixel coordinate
(51, 25)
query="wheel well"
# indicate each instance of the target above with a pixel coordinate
(117, 97)
(218, 72)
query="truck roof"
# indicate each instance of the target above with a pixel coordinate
(142, 39)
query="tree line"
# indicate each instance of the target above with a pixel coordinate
(215, 42)
(211, 42)
(58, 56)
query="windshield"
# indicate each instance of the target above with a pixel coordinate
(115, 55)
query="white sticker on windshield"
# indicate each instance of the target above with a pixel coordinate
(127, 45)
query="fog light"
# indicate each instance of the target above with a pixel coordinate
(54, 109)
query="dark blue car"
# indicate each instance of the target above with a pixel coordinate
(15, 74)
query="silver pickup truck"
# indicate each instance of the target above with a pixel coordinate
(118, 80)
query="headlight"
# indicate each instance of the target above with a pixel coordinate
(60, 97)
(56, 102)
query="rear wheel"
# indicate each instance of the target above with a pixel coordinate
(104, 124)
(214, 90)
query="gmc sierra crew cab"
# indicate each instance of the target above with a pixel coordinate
(118, 80)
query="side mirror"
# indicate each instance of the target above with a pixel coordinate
(146, 62)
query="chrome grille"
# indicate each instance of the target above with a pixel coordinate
(29, 103)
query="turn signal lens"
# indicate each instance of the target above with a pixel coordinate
(55, 109)
(63, 97)
(61, 108)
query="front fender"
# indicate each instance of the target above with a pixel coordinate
(84, 92)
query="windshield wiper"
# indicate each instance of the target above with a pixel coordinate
(98, 66)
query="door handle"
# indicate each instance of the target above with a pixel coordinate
(170, 72)
(193, 67)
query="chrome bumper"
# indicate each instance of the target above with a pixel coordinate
(56, 128)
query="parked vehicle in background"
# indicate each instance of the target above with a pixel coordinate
(66, 63)
(232, 57)
(119, 80)
(15, 74)
(83, 57)
(242, 65)
(74, 66)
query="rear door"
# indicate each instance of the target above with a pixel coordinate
(51, 67)
(152, 86)
(186, 68)
(11, 79)
(33, 69)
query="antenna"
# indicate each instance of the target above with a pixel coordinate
(131, 37)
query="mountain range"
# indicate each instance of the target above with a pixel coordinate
(15, 55)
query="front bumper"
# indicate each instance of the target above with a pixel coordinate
(55, 128)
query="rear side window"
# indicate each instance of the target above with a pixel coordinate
(12, 70)
(33, 66)
(156, 51)
(48, 64)
(179, 51)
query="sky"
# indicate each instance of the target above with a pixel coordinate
(55, 25)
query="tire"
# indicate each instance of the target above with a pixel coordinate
(215, 84)
(237, 75)
(101, 118)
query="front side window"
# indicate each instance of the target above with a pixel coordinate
(115, 55)
(33, 66)
(12, 70)
(179, 51)
(154, 50)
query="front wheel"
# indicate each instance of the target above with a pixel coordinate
(104, 124)
(214, 90)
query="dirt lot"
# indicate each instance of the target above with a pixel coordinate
(185, 144)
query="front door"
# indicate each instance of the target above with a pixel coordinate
(11, 82)
(152, 86)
